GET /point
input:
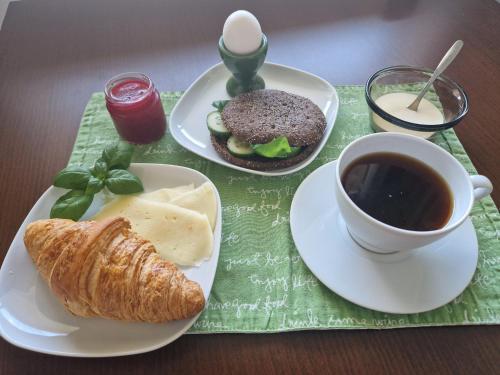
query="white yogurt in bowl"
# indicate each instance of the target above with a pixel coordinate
(391, 90)
(396, 104)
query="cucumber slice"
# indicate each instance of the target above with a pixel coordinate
(239, 148)
(216, 126)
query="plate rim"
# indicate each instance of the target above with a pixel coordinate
(278, 172)
(467, 222)
(170, 339)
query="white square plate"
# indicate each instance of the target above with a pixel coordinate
(188, 118)
(31, 317)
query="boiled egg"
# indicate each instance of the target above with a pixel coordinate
(242, 33)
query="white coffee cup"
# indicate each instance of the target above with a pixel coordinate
(383, 238)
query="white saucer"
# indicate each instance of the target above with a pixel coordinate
(399, 283)
(187, 123)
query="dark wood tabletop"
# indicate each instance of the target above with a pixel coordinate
(54, 54)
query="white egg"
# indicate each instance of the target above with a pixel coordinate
(242, 33)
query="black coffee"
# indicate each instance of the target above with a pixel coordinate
(399, 191)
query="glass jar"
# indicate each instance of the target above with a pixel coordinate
(135, 108)
(447, 96)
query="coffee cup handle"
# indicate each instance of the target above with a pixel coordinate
(482, 186)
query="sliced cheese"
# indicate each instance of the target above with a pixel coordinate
(202, 199)
(180, 235)
(167, 194)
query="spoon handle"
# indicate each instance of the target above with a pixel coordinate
(448, 58)
(443, 64)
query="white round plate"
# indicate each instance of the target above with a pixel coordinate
(187, 122)
(32, 318)
(419, 281)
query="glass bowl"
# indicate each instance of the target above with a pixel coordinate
(448, 96)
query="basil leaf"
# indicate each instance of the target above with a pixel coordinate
(220, 104)
(94, 186)
(73, 177)
(100, 169)
(120, 181)
(119, 155)
(277, 148)
(71, 205)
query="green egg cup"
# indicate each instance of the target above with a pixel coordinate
(244, 68)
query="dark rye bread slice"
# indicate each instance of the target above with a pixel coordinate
(262, 115)
(257, 162)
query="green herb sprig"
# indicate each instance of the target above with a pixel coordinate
(109, 171)
(220, 104)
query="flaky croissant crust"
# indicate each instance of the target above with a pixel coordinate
(104, 269)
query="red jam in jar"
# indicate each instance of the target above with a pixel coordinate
(135, 107)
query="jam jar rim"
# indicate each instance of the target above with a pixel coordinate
(121, 77)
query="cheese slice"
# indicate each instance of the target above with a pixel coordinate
(180, 235)
(167, 194)
(202, 199)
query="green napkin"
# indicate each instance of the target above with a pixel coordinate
(261, 284)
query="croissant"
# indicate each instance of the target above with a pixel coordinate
(104, 269)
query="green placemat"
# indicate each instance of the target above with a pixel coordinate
(262, 285)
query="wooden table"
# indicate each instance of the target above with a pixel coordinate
(54, 54)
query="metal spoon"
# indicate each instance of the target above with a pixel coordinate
(443, 64)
